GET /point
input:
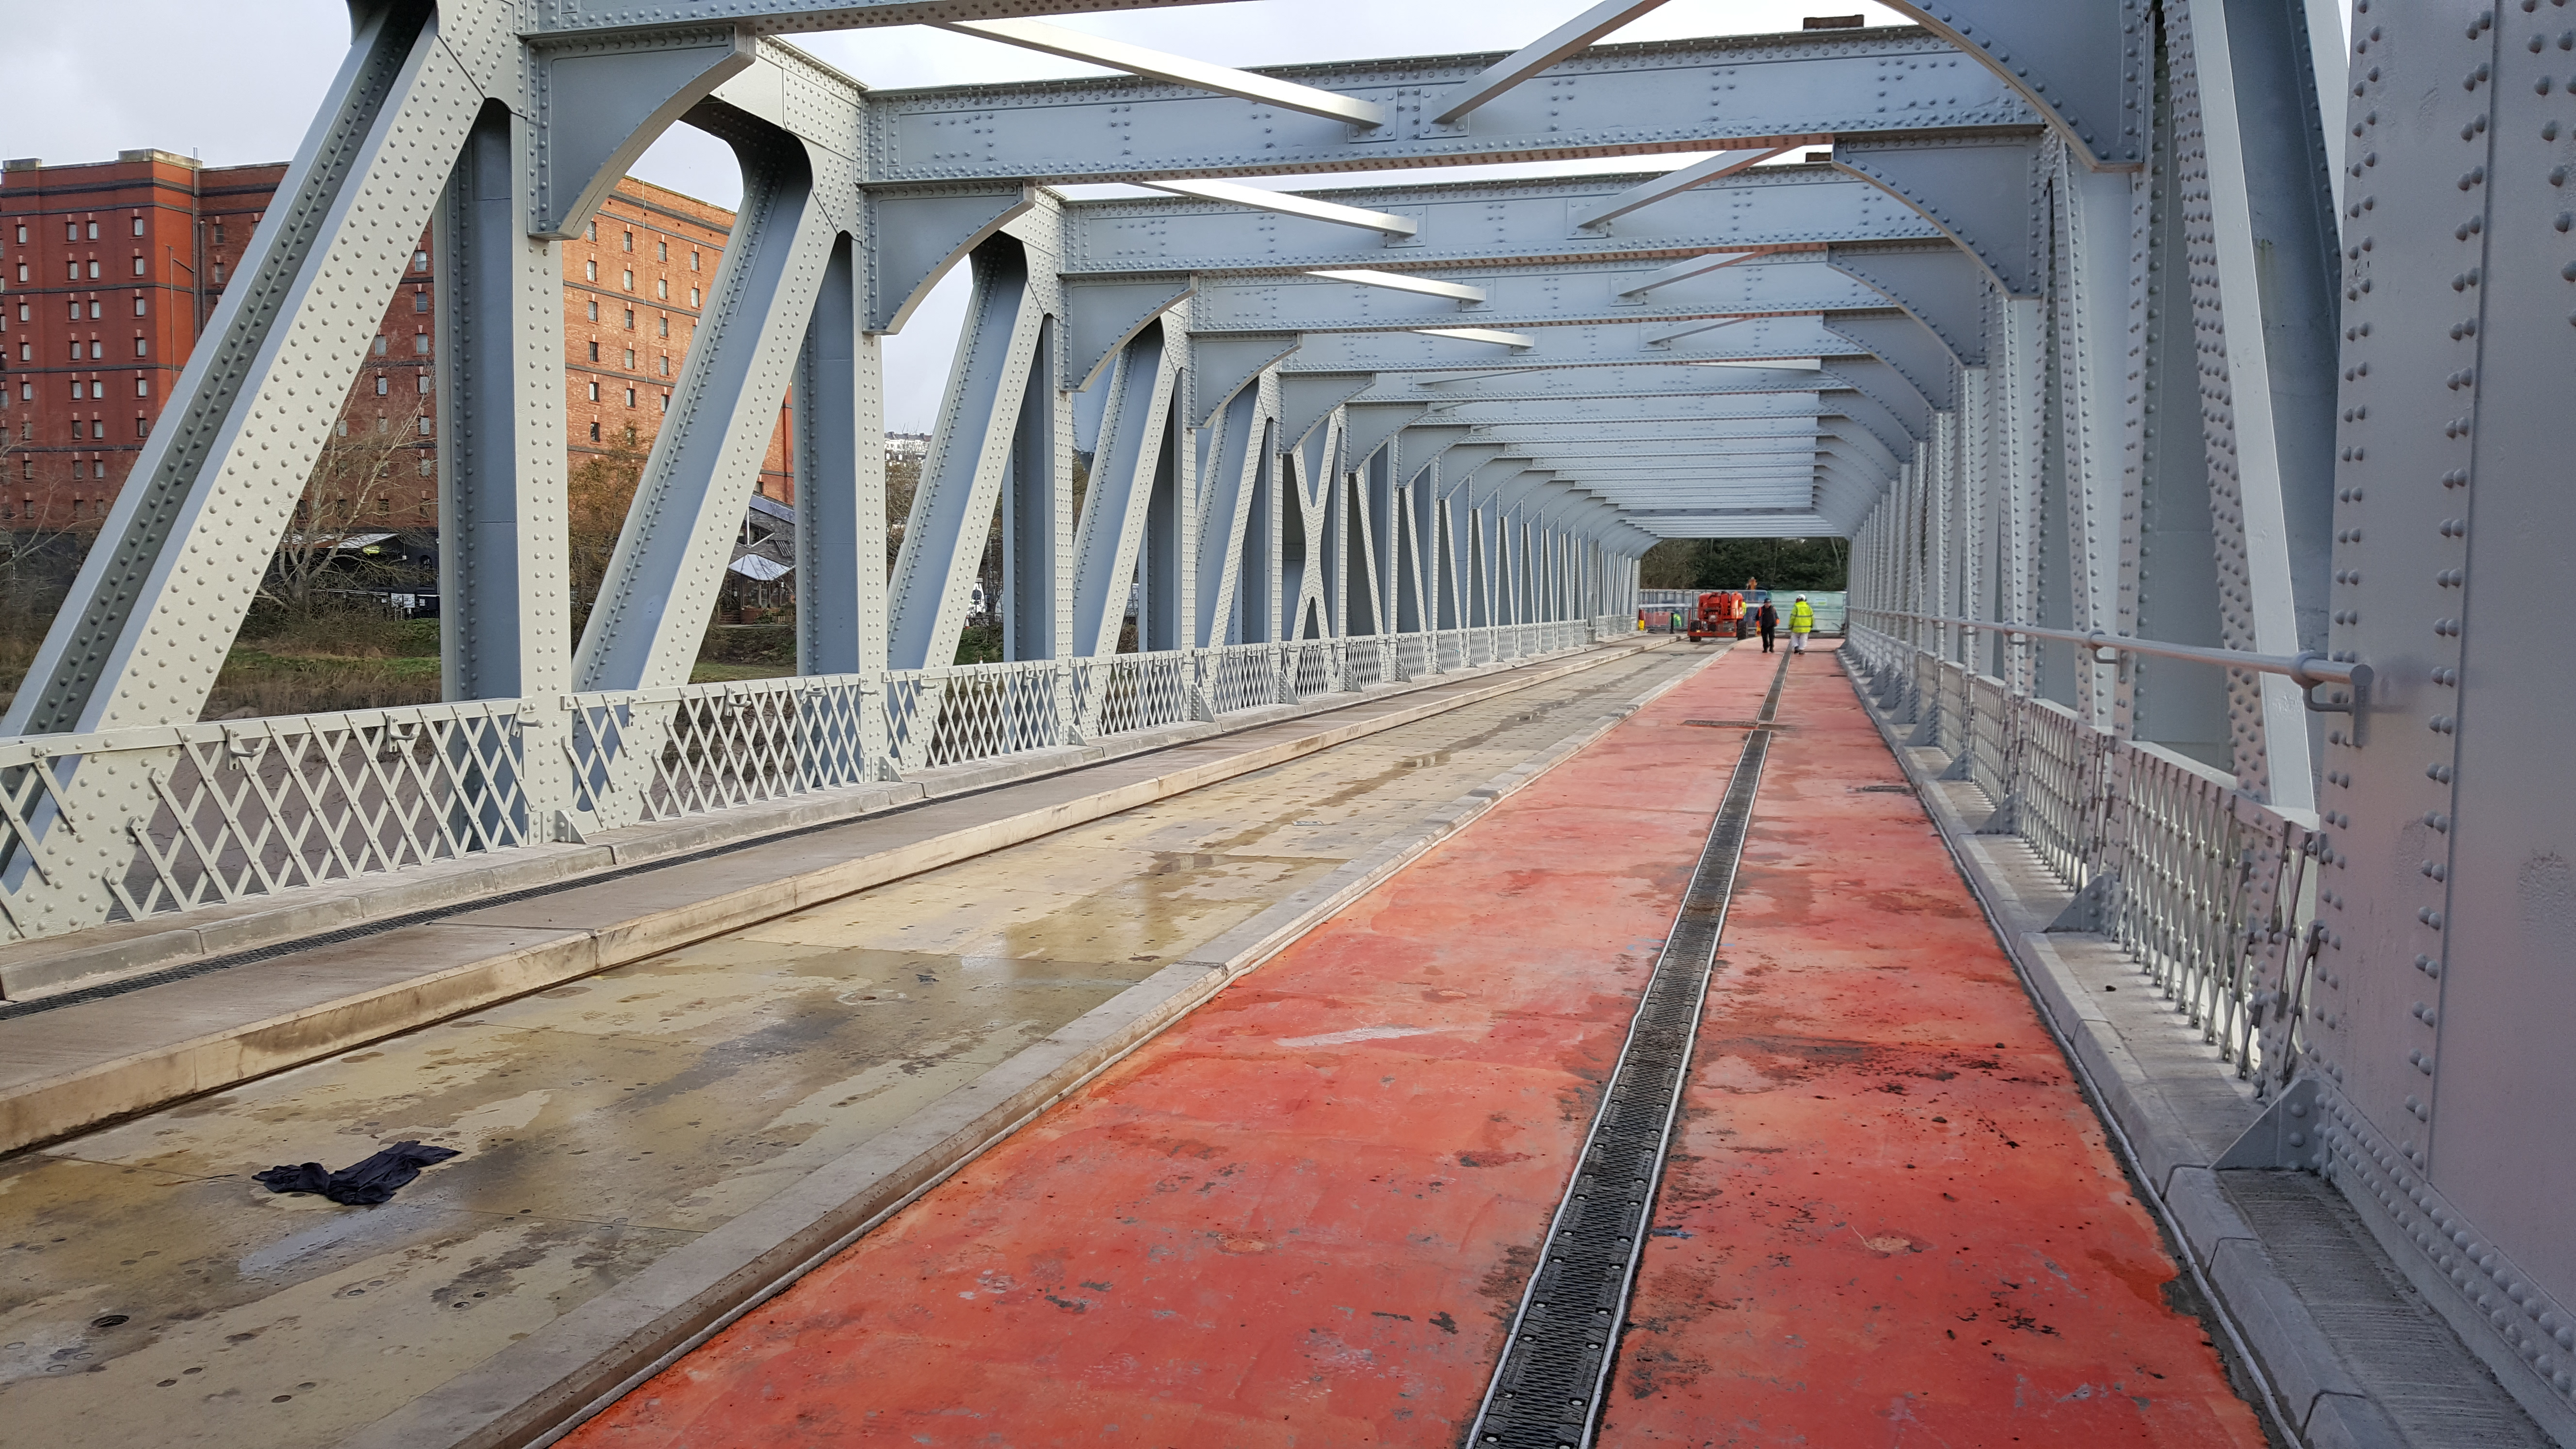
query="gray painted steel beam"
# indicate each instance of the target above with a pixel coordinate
(661, 583)
(1612, 100)
(604, 19)
(1493, 223)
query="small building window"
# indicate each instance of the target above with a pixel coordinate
(590, 232)
(217, 276)
(693, 261)
(142, 347)
(428, 466)
(98, 428)
(630, 397)
(630, 319)
(630, 359)
(142, 426)
(420, 300)
(424, 427)
(629, 240)
(141, 306)
(420, 261)
(664, 327)
(594, 309)
(138, 223)
(661, 287)
(594, 397)
(661, 250)
(424, 503)
(630, 279)
(594, 351)
(590, 271)
(666, 402)
(382, 346)
(594, 432)
(97, 349)
(93, 231)
(422, 378)
(420, 343)
(693, 297)
(383, 385)
(138, 264)
(142, 385)
(666, 364)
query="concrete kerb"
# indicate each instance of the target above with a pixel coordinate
(2300, 1378)
(33, 970)
(57, 1105)
(541, 1388)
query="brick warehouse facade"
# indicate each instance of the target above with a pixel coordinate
(108, 271)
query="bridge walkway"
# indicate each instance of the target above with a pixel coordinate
(1305, 1214)
(628, 1129)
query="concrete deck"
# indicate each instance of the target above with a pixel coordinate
(649, 1144)
(80, 1058)
(1304, 1215)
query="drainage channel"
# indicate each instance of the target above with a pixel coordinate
(1555, 1367)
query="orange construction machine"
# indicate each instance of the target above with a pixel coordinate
(1718, 616)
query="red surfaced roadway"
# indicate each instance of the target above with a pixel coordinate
(1304, 1215)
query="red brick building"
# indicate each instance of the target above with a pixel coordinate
(108, 271)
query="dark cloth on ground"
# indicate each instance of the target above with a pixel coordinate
(361, 1184)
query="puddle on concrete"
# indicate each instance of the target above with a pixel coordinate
(606, 1121)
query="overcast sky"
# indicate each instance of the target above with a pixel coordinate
(238, 80)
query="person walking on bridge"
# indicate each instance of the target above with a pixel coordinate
(1769, 620)
(1802, 622)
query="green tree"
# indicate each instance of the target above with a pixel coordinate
(1725, 563)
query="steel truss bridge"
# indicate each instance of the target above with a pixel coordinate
(2143, 352)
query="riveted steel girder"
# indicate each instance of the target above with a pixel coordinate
(670, 560)
(164, 589)
(1940, 286)
(1493, 223)
(558, 19)
(1612, 100)
(1529, 297)
(1577, 346)
(2087, 64)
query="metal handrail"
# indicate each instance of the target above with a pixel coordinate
(2308, 667)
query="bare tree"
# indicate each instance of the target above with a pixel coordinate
(349, 493)
(597, 494)
(47, 524)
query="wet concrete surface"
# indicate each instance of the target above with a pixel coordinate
(1301, 1216)
(150, 1292)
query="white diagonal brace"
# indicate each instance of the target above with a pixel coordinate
(1289, 204)
(1480, 334)
(1538, 55)
(1693, 328)
(1675, 182)
(1179, 70)
(1403, 282)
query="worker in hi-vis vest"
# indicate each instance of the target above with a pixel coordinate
(1802, 622)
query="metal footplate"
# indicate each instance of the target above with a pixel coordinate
(1555, 1367)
